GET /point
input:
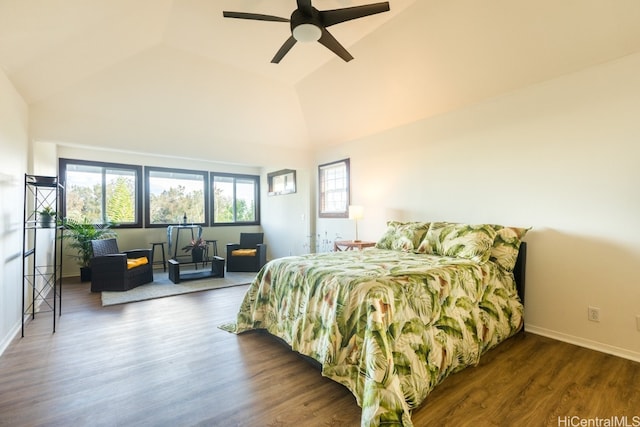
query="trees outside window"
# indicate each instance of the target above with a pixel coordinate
(113, 193)
(101, 192)
(173, 194)
(235, 199)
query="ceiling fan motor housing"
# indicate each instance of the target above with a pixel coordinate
(308, 24)
(306, 28)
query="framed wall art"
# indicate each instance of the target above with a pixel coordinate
(282, 182)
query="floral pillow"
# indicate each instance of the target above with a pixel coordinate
(402, 236)
(473, 242)
(506, 246)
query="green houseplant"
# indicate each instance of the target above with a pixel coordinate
(47, 217)
(79, 235)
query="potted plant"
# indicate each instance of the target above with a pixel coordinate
(196, 247)
(80, 235)
(46, 217)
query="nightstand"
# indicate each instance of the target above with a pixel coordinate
(349, 245)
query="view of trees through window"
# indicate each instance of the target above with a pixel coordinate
(174, 195)
(112, 192)
(101, 194)
(226, 189)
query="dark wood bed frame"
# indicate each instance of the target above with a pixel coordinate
(519, 270)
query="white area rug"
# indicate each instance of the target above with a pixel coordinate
(163, 287)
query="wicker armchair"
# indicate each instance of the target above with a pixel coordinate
(248, 255)
(109, 269)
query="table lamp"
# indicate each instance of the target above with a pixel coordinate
(356, 213)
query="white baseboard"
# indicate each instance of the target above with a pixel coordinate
(4, 344)
(582, 342)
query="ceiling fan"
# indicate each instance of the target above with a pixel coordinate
(309, 24)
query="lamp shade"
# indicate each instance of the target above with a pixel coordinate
(356, 212)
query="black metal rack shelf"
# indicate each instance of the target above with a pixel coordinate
(41, 248)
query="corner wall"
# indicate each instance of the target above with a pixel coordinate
(14, 146)
(561, 157)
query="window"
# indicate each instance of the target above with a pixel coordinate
(173, 194)
(333, 184)
(236, 199)
(101, 192)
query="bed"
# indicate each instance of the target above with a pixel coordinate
(393, 321)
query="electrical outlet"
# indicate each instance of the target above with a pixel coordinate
(638, 322)
(593, 314)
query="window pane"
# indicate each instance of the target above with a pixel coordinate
(223, 199)
(173, 194)
(83, 191)
(101, 192)
(245, 200)
(235, 199)
(121, 196)
(334, 189)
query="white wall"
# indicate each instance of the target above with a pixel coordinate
(286, 219)
(561, 157)
(172, 102)
(14, 146)
(440, 56)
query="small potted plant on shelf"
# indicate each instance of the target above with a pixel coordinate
(46, 217)
(80, 235)
(196, 247)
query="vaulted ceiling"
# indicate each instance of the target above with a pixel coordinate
(157, 72)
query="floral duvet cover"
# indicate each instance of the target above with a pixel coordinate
(389, 325)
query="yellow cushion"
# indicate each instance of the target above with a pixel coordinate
(244, 252)
(135, 262)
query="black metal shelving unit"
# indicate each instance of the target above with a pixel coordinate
(41, 248)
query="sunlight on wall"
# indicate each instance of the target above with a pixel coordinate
(560, 157)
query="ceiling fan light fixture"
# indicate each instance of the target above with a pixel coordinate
(309, 24)
(307, 33)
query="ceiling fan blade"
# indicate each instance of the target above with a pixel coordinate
(286, 47)
(336, 16)
(305, 7)
(254, 16)
(333, 45)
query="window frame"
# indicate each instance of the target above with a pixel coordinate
(147, 194)
(63, 163)
(142, 193)
(256, 195)
(322, 194)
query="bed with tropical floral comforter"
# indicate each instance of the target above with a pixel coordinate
(388, 324)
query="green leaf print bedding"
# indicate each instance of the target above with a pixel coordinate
(389, 325)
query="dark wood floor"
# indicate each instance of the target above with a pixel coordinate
(164, 362)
